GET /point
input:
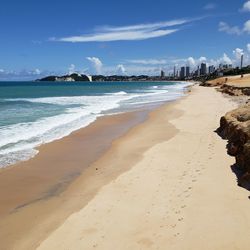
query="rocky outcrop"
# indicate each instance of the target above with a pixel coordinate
(235, 127)
(210, 84)
(234, 90)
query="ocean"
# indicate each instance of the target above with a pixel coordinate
(34, 113)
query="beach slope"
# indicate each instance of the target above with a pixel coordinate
(181, 194)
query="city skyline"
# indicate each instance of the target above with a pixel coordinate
(46, 38)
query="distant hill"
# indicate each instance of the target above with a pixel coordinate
(101, 78)
(66, 78)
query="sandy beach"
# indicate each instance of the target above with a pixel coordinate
(236, 81)
(164, 184)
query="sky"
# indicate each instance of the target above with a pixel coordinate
(132, 37)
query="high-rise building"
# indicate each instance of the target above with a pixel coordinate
(241, 61)
(182, 73)
(198, 71)
(174, 71)
(203, 69)
(162, 74)
(211, 69)
(187, 71)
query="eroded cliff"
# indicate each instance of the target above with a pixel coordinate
(235, 127)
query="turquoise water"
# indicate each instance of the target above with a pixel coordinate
(34, 113)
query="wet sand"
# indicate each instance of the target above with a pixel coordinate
(26, 188)
(36, 196)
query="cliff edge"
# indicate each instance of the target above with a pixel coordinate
(235, 127)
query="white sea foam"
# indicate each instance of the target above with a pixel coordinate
(19, 141)
(120, 93)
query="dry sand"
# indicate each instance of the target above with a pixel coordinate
(38, 195)
(237, 80)
(180, 194)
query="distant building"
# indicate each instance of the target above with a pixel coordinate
(162, 74)
(203, 69)
(174, 71)
(211, 69)
(198, 71)
(182, 73)
(241, 61)
(187, 71)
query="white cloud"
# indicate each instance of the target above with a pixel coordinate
(225, 59)
(247, 27)
(147, 26)
(142, 70)
(96, 64)
(72, 69)
(246, 7)
(120, 69)
(209, 6)
(232, 30)
(238, 53)
(37, 71)
(118, 36)
(202, 59)
(191, 62)
(248, 47)
(31, 74)
(235, 30)
(148, 61)
(128, 33)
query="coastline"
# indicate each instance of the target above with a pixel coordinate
(179, 195)
(31, 191)
(154, 187)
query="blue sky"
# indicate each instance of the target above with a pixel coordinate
(126, 37)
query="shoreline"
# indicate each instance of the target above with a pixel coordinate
(26, 189)
(178, 195)
(165, 183)
(28, 146)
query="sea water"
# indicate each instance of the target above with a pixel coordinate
(34, 113)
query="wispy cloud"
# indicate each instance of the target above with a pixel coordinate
(31, 74)
(148, 61)
(128, 33)
(209, 6)
(147, 26)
